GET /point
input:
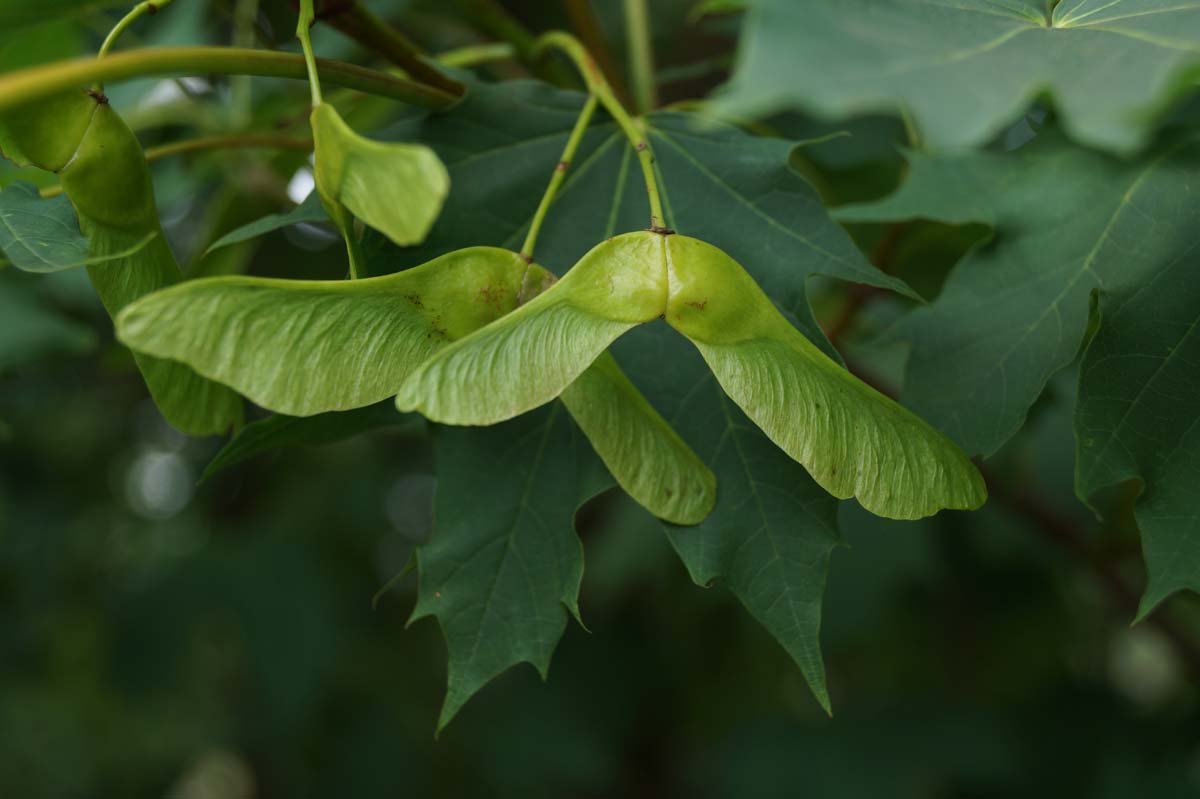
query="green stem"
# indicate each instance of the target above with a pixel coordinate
(140, 10)
(590, 32)
(354, 253)
(241, 90)
(239, 141)
(475, 54)
(304, 23)
(560, 172)
(641, 55)
(493, 18)
(31, 85)
(360, 24)
(598, 86)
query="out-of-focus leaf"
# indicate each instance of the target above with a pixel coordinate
(29, 331)
(42, 235)
(1015, 310)
(16, 13)
(1138, 417)
(311, 210)
(964, 69)
(280, 432)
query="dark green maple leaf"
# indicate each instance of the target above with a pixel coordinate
(964, 69)
(503, 565)
(771, 534)
(1015, 310)
(773, 528)
(1138, 417)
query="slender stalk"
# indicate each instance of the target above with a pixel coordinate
(560, 172)
(598, 86)
(475, 54)
(204, 143)
(304, 23)
(641, 56)
(494, 19)
(138, 11)
(359, 23)
(354, 253)
(586, 25)
(241, 88)
(31, 85)
(243, 141)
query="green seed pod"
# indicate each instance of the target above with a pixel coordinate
(304, 347)
(47, 134)
(108, 179)
(105, 176)
(853, 440)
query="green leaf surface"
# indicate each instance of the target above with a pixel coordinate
(1138, 418)
(1015, 310)
(853, 440)
(281, 432)
(311, 210)
(305, 347)
(501, 582)
(42, 235)
(769, 538)
(397, 189)
(965, 69)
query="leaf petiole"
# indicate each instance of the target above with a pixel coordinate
(138, 11)
(303, 23)
(560, 172)
(641, 55)
(571, 47)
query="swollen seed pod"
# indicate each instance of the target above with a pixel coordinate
(105, 176)
(304, 347)
(853, 440)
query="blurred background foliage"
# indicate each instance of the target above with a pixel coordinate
(164, 638)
